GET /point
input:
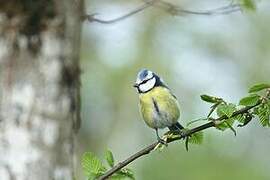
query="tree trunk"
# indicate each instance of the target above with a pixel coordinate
(39, 88)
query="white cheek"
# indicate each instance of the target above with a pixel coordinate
(148, 85)
(138, 81)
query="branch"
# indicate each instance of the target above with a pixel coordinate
(178, 11)
(91, 17)
(168, 7)
(152, 146)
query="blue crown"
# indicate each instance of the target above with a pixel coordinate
(142, 74)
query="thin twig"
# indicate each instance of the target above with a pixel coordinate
(170, 8)
(178, 11)
(151, 147)
(91, 17)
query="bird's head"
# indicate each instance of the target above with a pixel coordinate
(146, 80)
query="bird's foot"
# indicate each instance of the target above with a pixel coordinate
(181, 132)
(162, 141)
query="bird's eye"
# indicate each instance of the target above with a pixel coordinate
(146, 80)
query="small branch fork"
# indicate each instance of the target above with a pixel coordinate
(152, 146)
(168, 7)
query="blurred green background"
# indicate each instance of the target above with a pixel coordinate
(217, 55)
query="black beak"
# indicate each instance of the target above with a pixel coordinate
(136, 85)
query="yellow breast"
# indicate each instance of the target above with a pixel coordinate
(159, 108)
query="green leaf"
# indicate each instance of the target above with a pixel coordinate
(249, 4)
(240, 118)
(250, 100)
(123, 174)
(243, 119)
(263, 112)
(258, 87)
(225, 125)
(264, 119)
(210, 99)
(226, 109)
(109, 158)
(92, 166)
(196, 138)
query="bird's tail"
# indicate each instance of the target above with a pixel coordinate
(176, 127)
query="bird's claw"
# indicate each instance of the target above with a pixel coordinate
(181, 132)
(162, 141)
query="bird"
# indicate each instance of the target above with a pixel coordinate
(159, 107)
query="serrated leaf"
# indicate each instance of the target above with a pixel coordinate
(263, 112)
(210, 99)
(196, 138)
(264, 120)
(250, 100)
(86, 164)
(240, 118)
(92, 166)
(109, 158)
(243, 119)
(225, 125)
(258, 87)
(226, 109)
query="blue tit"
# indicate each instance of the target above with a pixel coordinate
(159, 107)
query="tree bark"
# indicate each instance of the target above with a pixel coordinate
(39, 88)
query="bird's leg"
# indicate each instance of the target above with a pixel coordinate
(160, 140)
(181, 131)
(177, 130)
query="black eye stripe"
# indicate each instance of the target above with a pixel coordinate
(144, 81)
